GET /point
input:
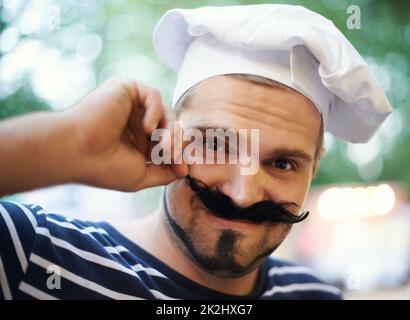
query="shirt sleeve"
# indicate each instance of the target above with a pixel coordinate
(18, 225)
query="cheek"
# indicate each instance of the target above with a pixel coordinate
(302, 189)
(179, 201)
(182, 206)
(211, 174)
(278, 233)
(288, 189)
(283, 230)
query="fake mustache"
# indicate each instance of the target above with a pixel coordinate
(265, 211)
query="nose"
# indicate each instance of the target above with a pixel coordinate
(244, 190)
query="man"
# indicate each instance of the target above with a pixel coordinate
(283, 70)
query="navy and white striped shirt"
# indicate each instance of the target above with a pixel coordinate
(95, 261)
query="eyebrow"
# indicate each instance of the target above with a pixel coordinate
(289, 152)
(276, 153)
(203, 128)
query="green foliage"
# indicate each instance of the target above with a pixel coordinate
(21, 102)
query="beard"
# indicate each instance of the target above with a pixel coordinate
(222, 262)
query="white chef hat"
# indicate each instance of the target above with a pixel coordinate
(289, 44)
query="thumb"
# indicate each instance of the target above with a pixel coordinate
(157, 175)
(149, 174)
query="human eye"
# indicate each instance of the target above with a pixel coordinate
(215, 144)
(284, 164)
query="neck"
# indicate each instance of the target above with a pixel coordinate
(161, 245)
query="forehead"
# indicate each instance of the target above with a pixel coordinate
(284, 117)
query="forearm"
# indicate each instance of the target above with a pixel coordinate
(37, 150)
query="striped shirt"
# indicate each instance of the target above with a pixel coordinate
(48, 256)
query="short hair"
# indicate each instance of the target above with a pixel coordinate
(185, 99)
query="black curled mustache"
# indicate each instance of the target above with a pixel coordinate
(265, 211)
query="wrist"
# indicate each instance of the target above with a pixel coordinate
(75, 160)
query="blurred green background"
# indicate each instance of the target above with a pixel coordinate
(54, 52)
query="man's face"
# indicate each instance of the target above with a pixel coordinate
(288, 126)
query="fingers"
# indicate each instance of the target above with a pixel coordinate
(173, 146)
(167, 123)
(179, 167)
(125, 92)
(132, 173)
(154, 110)
(181, 170)
(156, 115)
(157, 175)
